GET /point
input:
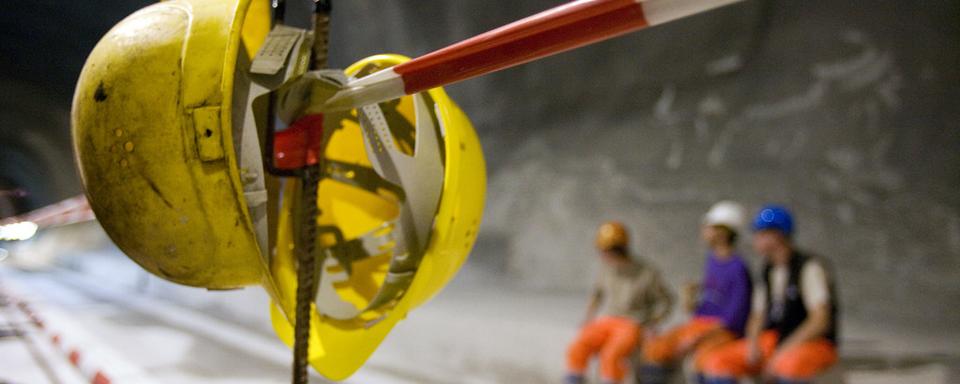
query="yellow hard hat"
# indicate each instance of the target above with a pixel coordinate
(377, 272)
(161, 125)
(156, 138)
(611, 234)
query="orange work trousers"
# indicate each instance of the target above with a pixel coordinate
(699, 335)
(614, 338)
(800, 363)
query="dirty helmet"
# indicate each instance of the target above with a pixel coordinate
(159, 144)
(169, 153)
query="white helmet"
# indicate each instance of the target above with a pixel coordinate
(728, 214)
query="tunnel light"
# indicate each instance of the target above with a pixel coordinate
(18, 231)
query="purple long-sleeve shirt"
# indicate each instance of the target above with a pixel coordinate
(726, 292)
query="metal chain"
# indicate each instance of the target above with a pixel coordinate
(307, 272)
(321, 33)
(309, 255)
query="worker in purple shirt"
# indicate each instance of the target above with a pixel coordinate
(720, 304)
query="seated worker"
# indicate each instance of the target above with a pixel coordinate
(792, 331)
(632, 295)
(720, 313)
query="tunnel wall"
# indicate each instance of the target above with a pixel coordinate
(845, 111)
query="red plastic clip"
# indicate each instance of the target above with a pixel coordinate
(299, 145)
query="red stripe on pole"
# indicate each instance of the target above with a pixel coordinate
(100, 378)
(56, 214)
(553, 31)
(73, 354)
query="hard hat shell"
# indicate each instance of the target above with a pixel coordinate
(341, 344)
(728, 214)
(154, 135)
(774, 217)
(612, 234)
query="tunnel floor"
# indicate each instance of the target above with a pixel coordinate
(135, 328)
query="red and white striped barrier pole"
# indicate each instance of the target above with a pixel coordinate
(70, 350)
(95, 363)
(73, 210)
(556, 30)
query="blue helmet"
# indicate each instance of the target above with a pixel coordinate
(774, 217)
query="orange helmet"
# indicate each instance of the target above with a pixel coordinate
(611, 234)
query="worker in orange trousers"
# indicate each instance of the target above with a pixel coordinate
(720, 303)
(628, 296)
(792, 331)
